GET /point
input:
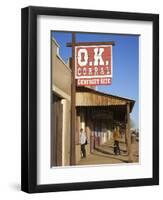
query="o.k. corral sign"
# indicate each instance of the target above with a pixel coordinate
(93, 65)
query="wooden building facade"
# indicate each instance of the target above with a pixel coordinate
(60, 109)
(96, 112)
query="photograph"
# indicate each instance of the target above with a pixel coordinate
(90, 99)
(95, 92)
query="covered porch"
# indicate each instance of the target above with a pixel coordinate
(98, 113)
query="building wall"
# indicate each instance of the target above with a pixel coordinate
(61, 85)
(61, 72)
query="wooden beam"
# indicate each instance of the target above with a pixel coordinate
(69, 44)
(73, 105)
(128, 134)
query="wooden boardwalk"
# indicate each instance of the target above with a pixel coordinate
(104, 155)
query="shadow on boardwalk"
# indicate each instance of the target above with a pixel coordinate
(104, 154)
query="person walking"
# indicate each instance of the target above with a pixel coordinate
(116, 137)
(83, 142)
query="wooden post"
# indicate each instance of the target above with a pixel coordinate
(73, 105)
(128, 134)
(88, 132)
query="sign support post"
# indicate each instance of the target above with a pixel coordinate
(73, 105)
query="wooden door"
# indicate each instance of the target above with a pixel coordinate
(56, 132)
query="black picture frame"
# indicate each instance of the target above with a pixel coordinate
(29, 99)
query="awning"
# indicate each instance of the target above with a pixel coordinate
(89, 97)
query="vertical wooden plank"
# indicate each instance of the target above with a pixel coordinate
(88, 131)
(77, 128)
(59, 133)
(73, 105)
(56, 134)
(92, 137)
(128, 134)
(52, 134)
(53, 137)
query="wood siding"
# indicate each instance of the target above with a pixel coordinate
(92, 99)
(56, 134)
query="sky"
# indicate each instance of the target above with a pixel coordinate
(125, 63)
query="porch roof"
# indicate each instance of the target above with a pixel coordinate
(89, 97)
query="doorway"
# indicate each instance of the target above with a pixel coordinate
(56, 131)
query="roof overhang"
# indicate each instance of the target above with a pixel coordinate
(89, 97)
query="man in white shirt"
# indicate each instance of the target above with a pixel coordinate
(83, 141)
